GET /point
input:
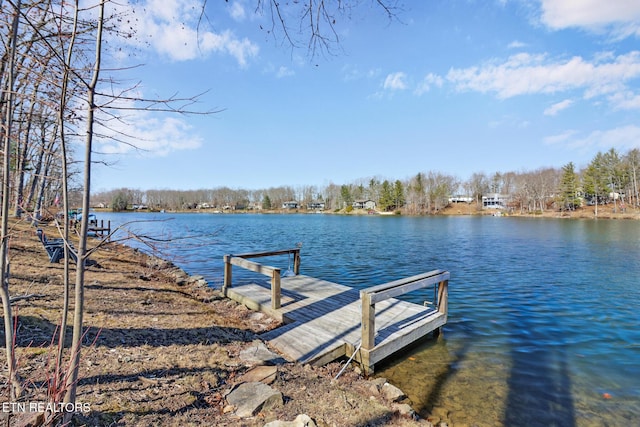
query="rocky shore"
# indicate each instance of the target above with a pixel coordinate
(165, 349)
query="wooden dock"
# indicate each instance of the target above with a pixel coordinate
(324, 321)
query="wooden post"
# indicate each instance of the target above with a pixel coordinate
(368, 321)
(296, 262)
(227, 274)
(275, 289)
(443, 302)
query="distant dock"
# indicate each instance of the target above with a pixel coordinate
(324, 321)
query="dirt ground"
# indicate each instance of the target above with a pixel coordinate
(162, 350)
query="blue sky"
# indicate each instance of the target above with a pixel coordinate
(455, 87)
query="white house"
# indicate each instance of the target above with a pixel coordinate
(290, 205)
(494, 201)
(364, 204)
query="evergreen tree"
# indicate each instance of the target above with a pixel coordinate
(595, 181)
(569, 187)
(386, 196)
(345, 193)
(398, 195)
(266, 202)
(120, 202)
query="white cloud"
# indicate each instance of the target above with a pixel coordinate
(237, 12)
(620, 17)
(428, 82)
(395, 81)
(622, 138)
(174, 28)
(149, 133)
(560, 138)
(351, 73)
(525, 73)
(516, 45)
(625, 100)
(284, 72)
(557, 107)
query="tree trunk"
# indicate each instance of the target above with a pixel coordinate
(15, 388)
(74, 365)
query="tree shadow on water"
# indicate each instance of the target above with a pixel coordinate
(539, 382)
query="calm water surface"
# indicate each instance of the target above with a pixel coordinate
(543, 313)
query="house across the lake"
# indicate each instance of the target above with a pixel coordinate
(315, 206)
(494, 201)
(364, 204)
(290, 205)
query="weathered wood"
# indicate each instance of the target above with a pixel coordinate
(269, 253)
(403, 286)
(368, 321)
(251, 266)
(227, 274)
(443, 297)
(328, 320)
(296, 262)
(275, 289)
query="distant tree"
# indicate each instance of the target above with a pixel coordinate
(569, 187)
(595, 181)
(386, 196)
(632, 165)
(120, 202)
(617, 176)
(398, 194)
(478, 186)
(416, 194)
(345, 195)
(266, 202)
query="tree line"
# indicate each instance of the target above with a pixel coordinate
(609, 177)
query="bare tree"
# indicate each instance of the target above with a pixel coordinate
(7, 137)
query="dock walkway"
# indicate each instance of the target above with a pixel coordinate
(324, 321)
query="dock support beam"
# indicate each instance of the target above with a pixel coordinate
(275, 289)
(227, 274)
(443, 302)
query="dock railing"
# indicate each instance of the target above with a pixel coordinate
(241, 260)
(370, 296)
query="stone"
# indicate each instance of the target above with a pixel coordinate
(392, 393)
(405, 410)
(264, 373)
(375, 385)
(301, 420)
(258, 353)
(251, 398)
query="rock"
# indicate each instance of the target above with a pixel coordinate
(251, 398)
(258, 353)
(198, 281)
(392, 393)
(264, 374)
(376, 384)
(405, 410)
(301, 420)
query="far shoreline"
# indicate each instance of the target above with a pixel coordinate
(586, 212)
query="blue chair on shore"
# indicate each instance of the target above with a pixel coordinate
(55, 247)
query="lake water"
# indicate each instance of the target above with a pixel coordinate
(544, 314)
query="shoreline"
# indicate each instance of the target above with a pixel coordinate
(458, 209)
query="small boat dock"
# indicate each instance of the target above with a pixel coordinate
(325, 321)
